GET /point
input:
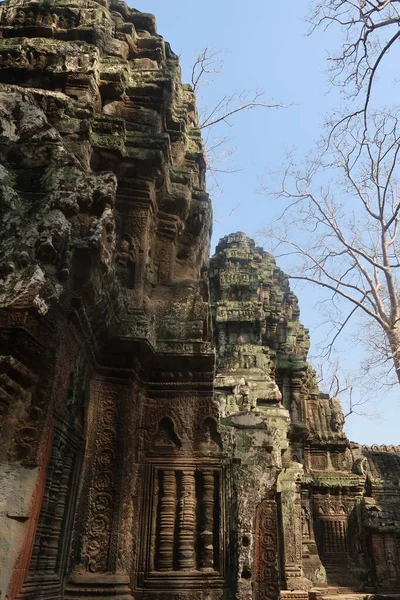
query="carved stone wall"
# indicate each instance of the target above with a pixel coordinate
(182, 525)
(274, 416)
(130, 467)
(254, 422)
(49, 558)
(102, 291)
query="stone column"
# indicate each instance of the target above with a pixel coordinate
(207, 521)
(187, 522)
(165, 553)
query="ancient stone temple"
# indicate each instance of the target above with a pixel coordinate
(163, 436)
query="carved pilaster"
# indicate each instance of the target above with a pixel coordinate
(52, 536)
(167, 512)
(96, 550)
(266, 552)
(57, 521)
(187, 522)
(95, 570)
(207, 521)
(292, 527)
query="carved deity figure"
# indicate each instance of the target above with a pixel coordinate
(244, 391)
(305, 522)
(337, 417)
(295, 406)
(125, 254)
(125, 261)
(391, 565)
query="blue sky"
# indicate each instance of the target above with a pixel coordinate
(267, 49)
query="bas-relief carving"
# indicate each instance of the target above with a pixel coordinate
(76, 263)
(191, 417)
(305, 522)
(316, 436)
(105, 334)
(53, 534)
(267, 578)
(103, 494)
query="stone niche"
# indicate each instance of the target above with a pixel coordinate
(163, 436)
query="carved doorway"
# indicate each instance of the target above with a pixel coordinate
(267, 551)
(49, 556)
(50, 546)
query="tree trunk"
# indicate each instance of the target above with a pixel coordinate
(394, 341)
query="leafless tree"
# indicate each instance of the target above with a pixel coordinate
(336, 381)
(370, 31)
(218, 150)
(341, 225)
(209, 62)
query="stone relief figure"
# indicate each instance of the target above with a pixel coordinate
(126, 261)
(210, 438)
(54, 233)
(337, 417)
(320, 574)
(126, 254)
(222, 337)
(244, 391)
(166, 435)
(305, 521)
(391, 565)
(359, 466)
(295, 410)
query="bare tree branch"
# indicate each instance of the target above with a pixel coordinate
(370, 30)
(346, 241)
(218, 152)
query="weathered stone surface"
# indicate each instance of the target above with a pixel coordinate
(104, 309)
(291, 457)
(130, 467)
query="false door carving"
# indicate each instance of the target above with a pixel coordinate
(182, 533)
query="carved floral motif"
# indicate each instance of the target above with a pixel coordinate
(266, 552)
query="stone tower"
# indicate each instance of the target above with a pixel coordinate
(107, 357)
(311, 512)
(157, 443)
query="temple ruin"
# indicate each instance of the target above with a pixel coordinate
(163, 436)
